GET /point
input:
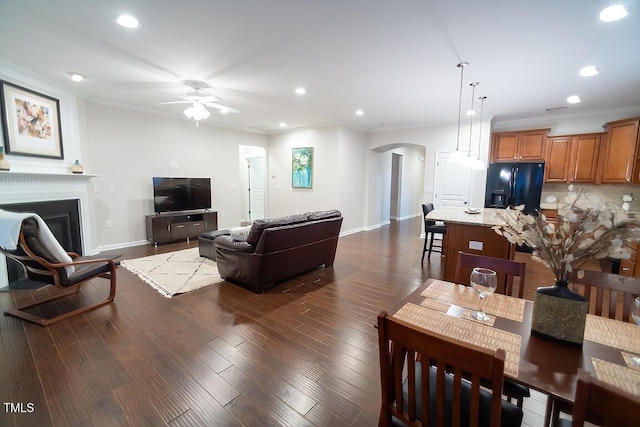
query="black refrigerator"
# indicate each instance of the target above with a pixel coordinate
(514, 184)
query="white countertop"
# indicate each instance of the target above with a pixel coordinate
(486, 218)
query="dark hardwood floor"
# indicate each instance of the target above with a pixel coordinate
(303, 353)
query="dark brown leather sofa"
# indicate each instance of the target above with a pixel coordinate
(279, 248)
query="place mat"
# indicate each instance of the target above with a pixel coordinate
(619, 376)
(612, 333)
(443, 307)
(462, 330)
(464, 296)
(435, 305)
(627, 359)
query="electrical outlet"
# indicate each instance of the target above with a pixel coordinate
(96, 188)
(112, 188)
(108, 224)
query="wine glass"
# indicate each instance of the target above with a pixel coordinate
(484, 282)
(635, 313)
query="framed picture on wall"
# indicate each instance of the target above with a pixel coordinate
(30, 122)
(302, 167)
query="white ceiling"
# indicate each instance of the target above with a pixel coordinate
(394, 59)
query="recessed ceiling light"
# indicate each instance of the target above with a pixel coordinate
(614, 13)
(301, 91)
(282, 124)
(359, 112)
(588, 71)
(128, 21)
(76, 77)
(573, 99)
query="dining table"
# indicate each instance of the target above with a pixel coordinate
(548, 366)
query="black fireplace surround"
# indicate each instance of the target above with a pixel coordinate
(62, 217)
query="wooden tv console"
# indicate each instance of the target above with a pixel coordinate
(178, 226)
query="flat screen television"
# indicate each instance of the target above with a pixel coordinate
(181, 194)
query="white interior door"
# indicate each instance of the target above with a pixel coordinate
(452, 182)
(256, 188)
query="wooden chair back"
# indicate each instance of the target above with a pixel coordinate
(507, 271)
(603, 403)
(608, 289)
(401, 343)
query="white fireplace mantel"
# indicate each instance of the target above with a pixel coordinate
(27, 187)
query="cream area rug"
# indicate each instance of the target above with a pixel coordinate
(175, 273)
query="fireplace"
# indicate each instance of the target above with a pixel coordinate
(19, 188)
(62, 217)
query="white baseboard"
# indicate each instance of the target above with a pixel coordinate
(121, 245)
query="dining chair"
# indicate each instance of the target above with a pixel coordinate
(602, 404)
(507, 271)
(431, 228)
(46, 263)
(610, 295)
(443, 380)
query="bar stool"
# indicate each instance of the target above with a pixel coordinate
(430, 228)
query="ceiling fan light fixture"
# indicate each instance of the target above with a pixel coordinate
(197, 112)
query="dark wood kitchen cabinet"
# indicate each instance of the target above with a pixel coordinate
(521, 146)
(572, 158)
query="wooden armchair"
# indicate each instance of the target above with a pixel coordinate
(443, 383)
(605, 292)
(43, 267)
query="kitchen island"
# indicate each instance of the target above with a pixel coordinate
(472, 233)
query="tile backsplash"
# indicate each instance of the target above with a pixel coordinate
(606, 193)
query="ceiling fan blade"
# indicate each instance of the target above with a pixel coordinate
(174, 102)
(220, 107)
(206, 98)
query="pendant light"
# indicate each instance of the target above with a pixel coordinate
(468, 161)
(477, 163)
(458, 155)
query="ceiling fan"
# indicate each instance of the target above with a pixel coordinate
(198, 101)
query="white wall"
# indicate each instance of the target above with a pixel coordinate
(340, 164)
(128, 148)
(439, 138)
(352, 166)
